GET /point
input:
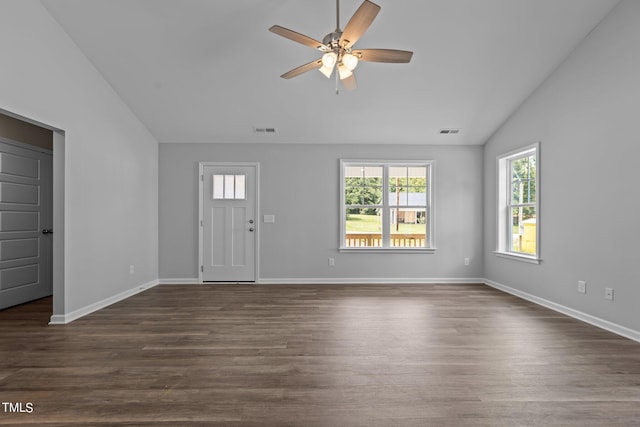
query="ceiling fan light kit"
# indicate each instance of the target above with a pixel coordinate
(350, 61)
(337, 47)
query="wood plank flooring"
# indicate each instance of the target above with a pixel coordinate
(325, 355)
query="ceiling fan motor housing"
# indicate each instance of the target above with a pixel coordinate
(333, 40)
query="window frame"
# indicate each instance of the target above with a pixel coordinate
(504, 226)
(386, 206)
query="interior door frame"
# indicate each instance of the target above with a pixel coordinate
(59, 305)
(48, 215)
(201, 166)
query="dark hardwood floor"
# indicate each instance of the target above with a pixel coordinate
(325, 355)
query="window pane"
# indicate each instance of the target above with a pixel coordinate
(363, 228)
(417, 172)
(218, 186)
(398, 178)
(373, 172)
(398, 196)
(240, 187)
(355, 193)
(408, 227)
(409, 196)
(523, 180)
(363, 172)
(407, 186)
(229, 184)
(363, 185)
(523, 230)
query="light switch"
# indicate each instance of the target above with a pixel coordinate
(269, 218)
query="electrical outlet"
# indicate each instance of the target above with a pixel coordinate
(608, 294)
(582, 286)
(132, 269)
(467, 261)
(332, 262)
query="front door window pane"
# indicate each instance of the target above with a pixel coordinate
(218, 187)
(239, 187)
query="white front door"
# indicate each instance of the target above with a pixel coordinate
(228, 222)
(26, 183)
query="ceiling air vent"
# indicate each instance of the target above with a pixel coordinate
(264, 130)
(449, 131)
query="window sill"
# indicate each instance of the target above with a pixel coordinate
(390, 250)
(518, 257)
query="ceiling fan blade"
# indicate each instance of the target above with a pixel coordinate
(302, 69)
(359, 23)
(297, 37)
(349, 83)
(383, 55)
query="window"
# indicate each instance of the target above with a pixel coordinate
(518, 207)
(229, 187)
(386, 206)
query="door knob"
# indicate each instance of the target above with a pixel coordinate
(47, 231)
(250, 221)
(251, 229)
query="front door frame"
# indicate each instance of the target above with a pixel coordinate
(201, 166)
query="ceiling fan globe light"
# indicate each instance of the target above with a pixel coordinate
(343, 71)
(350, 61)
(327, 71)
(329, 59)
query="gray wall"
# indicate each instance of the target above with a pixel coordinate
(300, 186)
(586, 116)
(110, 158)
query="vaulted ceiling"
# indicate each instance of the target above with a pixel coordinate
(208, 70)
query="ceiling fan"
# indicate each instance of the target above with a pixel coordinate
(338, 47)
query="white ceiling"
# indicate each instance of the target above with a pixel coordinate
(208, 71)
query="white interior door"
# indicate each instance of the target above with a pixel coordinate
(26, 182)
(228, 226)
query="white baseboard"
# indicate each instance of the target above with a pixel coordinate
(587, 318)
(63, 319)
(184, 281)
(369, 281)
(334, 281)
